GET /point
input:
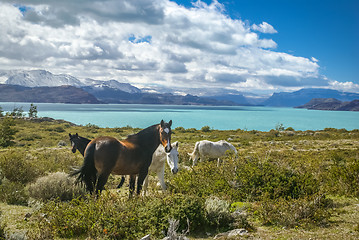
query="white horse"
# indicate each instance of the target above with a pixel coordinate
(159, 158)
(206, 149)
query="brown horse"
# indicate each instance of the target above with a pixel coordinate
(80, 143)
(132, 156)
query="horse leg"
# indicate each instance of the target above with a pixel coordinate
(161, 178)
(195, 160)
(122, 181)
(132, 184)
(218, 162)
(101, 181)
(141, 177)
(145, 185)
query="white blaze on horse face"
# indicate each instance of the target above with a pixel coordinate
(172, 160)
(166, 130)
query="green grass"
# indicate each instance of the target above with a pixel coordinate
(283, 185)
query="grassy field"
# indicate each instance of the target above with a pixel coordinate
(284, 184)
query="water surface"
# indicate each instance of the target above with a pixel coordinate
(216, 117)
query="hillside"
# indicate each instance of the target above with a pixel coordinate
(111, 95)
(303, 96)
(331, 104)
(62, 94)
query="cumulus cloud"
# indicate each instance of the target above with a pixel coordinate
(344, 86)
(264, 28)
(148, 44)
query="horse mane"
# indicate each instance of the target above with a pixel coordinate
(83, 138)
(143, 134)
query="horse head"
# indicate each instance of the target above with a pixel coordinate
(165, 135)
(73, 141)
(172, 158)
(78, 143)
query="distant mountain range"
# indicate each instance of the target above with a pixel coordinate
(43, 86)
(331, 104)
(298, 98)
(61, 94)
(34, 83)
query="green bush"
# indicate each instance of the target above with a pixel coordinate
(13, 193)
(205, 129)
(205, 179)
(18, 167)
(7, 131)
(304, 212)
(218, 214)
(341, 175)
(245, 179)
(180, 129)
(256, 178)
(113, 217)
(55, 186)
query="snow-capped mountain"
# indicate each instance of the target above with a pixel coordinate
(43, 78)
(38, 78)
(126, 87)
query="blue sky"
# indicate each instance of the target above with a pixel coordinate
(325, 29)
(201, 47)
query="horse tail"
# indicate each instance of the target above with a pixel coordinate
(87, 174)
(195, 150)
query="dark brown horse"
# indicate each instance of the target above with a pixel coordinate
(80, 143)
(132, 156)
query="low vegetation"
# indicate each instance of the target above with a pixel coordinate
(283, 184)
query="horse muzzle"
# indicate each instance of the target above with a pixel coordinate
(174, 170)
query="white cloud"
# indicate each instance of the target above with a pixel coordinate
(264, 28)
(344, 86)
(148, 43)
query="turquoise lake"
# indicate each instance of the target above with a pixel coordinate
(216, 117)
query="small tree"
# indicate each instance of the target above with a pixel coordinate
(17, 112)
(7, 131)
(33, 111)
(205, 129)
(1, 112)
(279, 127)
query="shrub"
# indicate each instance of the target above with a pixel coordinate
(255, 178)
(55, 186)
(304, 212)
(205, 129)
(204, 180)
(180, 129)
(245, 179)
(7, 131)
(218, 213)
(18, 168)
(13, 193)
(111, 217)
(341, 175)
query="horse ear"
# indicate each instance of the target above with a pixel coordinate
(176, 144)
(70, 135)
(170, 123)
(162, 123)
(77, 134)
